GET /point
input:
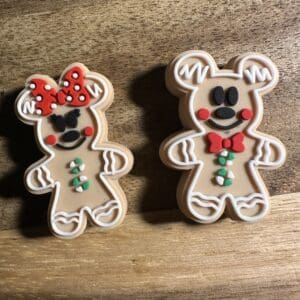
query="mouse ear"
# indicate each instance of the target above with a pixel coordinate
(37, 100)
(188, 70)
(258, 71)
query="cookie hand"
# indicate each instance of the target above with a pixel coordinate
(179, 151)
(38, 179)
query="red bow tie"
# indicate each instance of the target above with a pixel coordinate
(217, 143)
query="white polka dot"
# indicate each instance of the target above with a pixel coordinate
(32, 86)
(39, 98)
(53, 105)
(75, 75)
(69, 98)
(38, 112)
(81, 98)
(77, 87)
(47, 87)
(66, 83)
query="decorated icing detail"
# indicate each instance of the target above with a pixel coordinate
(219, 133)
(70, 126)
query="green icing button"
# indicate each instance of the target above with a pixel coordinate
(85, 185)
(222, 172)
(75, 170)
(75, 181)
(227, 182)
(78, 160)
(222, 160)
(231, 155)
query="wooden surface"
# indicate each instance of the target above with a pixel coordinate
(160, 256)
(131, 42)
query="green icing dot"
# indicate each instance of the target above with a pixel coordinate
(231, 155)
(222, 172)
(85, 185)
(78, 160)
(227, 182)
(75, 181)
(222, 160)
(75, 170)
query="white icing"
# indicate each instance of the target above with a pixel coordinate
(32, 86)
(94, 90)
(77, 87)
(39, 98)
(220, 180)
(66, 83)
(224, 153)
(69, 98)
(230, 175)
(255, 74)
(47, 87)
(75, 75)
(188, 72)
(28, 107)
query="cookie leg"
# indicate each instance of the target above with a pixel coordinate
(251, 208)
(204, 209)
(68, 225)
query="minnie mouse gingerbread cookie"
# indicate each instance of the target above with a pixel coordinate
(221, 149)
(81, 167)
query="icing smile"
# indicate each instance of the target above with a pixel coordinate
(74, 146)
(213, 124)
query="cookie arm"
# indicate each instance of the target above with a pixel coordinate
(179, 151)
(117, 159)
(271, 153)
(38, 179)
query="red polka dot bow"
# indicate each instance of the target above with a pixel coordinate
(73, 92)
(217, 143)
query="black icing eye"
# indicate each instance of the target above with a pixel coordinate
(218, 95)
(232, 96)
(71, 118)
(58, 123)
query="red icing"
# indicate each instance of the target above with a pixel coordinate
(203, 114)
(79, 97)
(51, 139)
(88, 131)
(246, 114)
(217, 143)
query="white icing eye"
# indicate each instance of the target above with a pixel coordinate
(38, 112)
(77, 87)
(81, 98)
(47, 87)
(75, 75)
(32, 86)
(53, 106)
(66, 83)
(39, 98)
(69, 98)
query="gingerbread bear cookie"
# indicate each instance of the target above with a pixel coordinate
(81, 167)
(221, 148)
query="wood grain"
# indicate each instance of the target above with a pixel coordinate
(160, 256)
(131, 42)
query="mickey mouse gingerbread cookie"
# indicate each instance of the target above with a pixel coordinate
(221, 149)
(80, 168)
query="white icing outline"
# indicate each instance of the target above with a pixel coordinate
(261, 160)
(79, 217)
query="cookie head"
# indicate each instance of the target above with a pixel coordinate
(222, 99)
(64, 114)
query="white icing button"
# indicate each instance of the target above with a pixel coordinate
(220, 180)
(53, 105)
(32, 86)
(39, 98)
(224, 153)
(229, 163)
(77, 87)
(230, 175)
(38, 112)
(72, 164)
(69, 98)
(47, 87)
(75, 75)
(82, 167)
(83, 178)
(66, 83)
(79, 189)
(81, 98)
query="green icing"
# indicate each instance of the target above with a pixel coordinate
(75, 181)
(85, 185)
(75, 170)
(222, 160)
(227, 182)
(222, 172)
(78, 160)
(231, 155)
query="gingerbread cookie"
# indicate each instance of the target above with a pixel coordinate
(81, 167)
(221, 148)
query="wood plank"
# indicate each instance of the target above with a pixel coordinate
(131, 42)
(160, 256)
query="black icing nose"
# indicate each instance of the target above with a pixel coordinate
(224, 113)
(70, 136)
